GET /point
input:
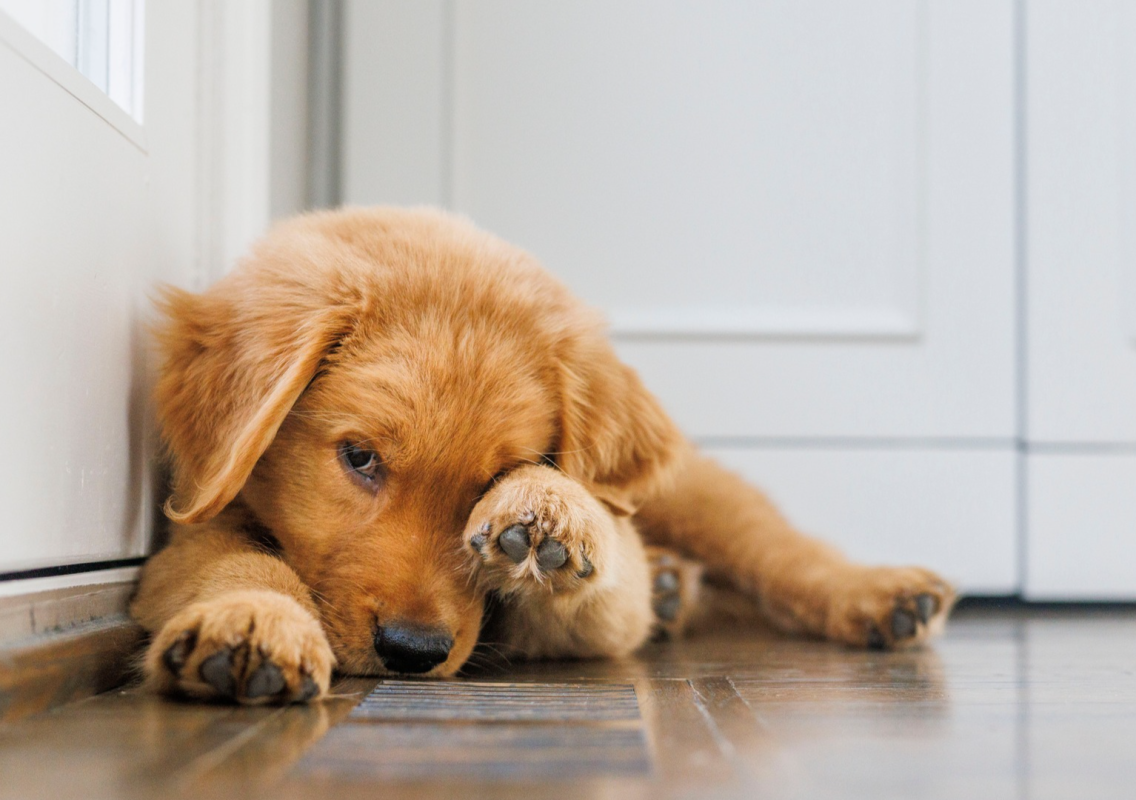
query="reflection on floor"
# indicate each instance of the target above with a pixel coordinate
(1022, 704)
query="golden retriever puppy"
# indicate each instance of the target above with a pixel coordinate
(383, 417)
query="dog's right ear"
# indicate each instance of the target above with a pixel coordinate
(236, 359)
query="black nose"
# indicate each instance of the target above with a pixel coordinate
(405, 647)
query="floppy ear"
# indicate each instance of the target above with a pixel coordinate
(236, 359)
(614, 435)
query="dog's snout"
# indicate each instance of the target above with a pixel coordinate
(405, 647)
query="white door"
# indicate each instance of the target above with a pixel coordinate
(1081, 206)
(798, 216)
(137, 148)
(96, 206)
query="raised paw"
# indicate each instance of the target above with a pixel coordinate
(537, 529)
(887, 607)
(675, 586)
(252, 647)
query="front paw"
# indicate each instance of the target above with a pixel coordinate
(886, 607)
(252, 647)
(537, 529)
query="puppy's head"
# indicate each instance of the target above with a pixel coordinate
(357, 384)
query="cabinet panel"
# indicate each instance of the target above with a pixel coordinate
(681, 165)
(1081, 125)
(952, 510)
(1082, 524)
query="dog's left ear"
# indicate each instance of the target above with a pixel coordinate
(614, 435)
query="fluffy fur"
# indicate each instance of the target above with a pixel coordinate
(503, 421)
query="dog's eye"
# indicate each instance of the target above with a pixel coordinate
(363, 463)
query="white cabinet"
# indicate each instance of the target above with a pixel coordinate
(1081, 249)
(900, 505)
(1082, 526)
(799, 218)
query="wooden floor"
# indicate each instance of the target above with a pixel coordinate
(1014, 704)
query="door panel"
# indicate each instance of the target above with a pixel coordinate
(1082, 516)
(953, 510)
(1081, 346)
(1082, 222)
(94, 213)
(798, 217)
(697, 139)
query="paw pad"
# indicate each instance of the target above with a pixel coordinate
(250, 647)
(515, 541)
(551, 555)
(903, 616)
(529, 538)
(666, 599)
(217, 671)
(267, 681)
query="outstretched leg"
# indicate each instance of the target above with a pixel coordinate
(229, 620)
(801, 584)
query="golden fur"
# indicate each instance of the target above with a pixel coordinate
(498, 409)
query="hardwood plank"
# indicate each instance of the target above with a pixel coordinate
(1034, 704)
(499, 702)
(687, 746)
(484, 731)
(48, 672)
(265, 753)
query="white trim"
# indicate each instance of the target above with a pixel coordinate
(44, 59)
(33, 585)
(1126, 128)
(883, 323)
(248, 112)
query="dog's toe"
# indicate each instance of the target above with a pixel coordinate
(309, 689)
(586, 567)
(537, 530)
(217, 671)
(551, 555)
(175, 656)
(903, 625)
(675, 584)
(884, 607)
(267, 681)
(515, 542)
(926, 605)
(250, 647)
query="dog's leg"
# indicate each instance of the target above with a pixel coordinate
(229, 620)
(572, 576)
(801, 584)
(676, 586)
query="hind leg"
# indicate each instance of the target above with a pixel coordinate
(676, 585)
(800, 584)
